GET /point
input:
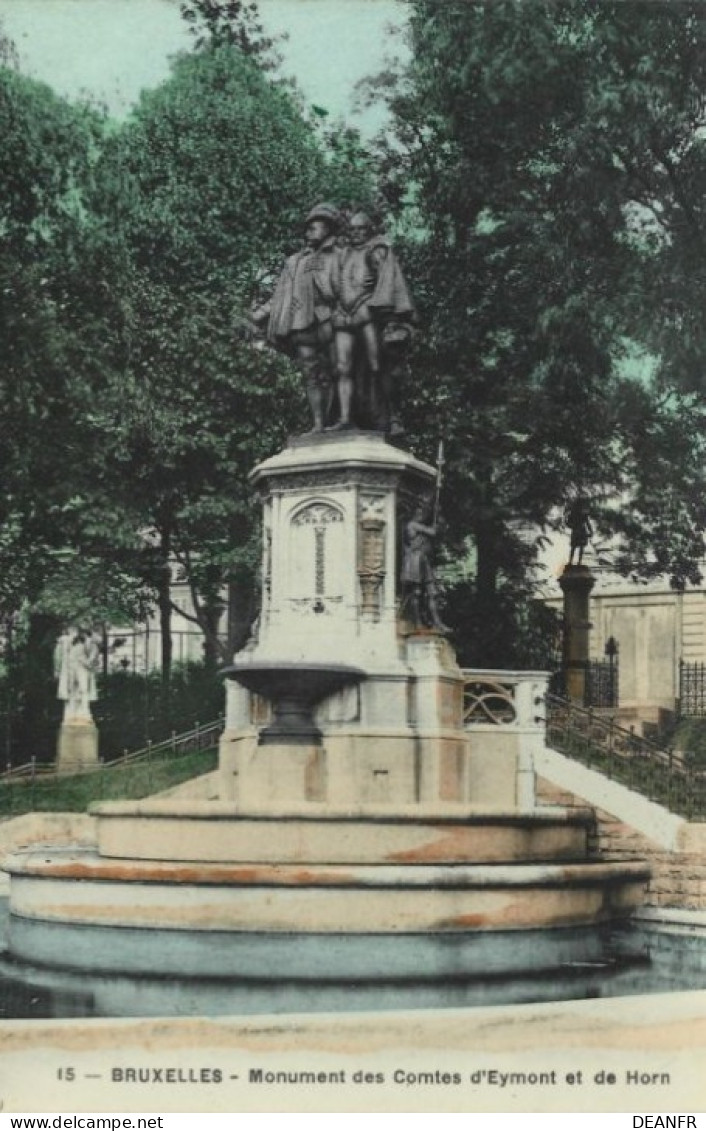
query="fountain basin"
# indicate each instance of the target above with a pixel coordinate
(294, 690)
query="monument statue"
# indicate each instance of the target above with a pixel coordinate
(76, 662)
(580, 528)
(342, 309)
(299, 313)
(419, 601)
(372, 320)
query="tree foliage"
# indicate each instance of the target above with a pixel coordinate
(135, 405)
(48, 150)
(545, 164)
(203, 190)
(231, 23)
(546, 172)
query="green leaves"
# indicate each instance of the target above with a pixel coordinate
(203, 192)
(556, 157)
(546, 173)
(129, 257)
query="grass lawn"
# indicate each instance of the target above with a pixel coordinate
(75, 792)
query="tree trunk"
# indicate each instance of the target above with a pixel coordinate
(212, 612)
(243, 607)
(40, 711)
(164, 580)
(488, 628)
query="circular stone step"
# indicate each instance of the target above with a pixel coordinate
(220, 833)
(63, 903)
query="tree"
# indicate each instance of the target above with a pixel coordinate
(48, 148)
(203, 192)
(524, 167)
(133, 402)
(230, 23)
(8, 51)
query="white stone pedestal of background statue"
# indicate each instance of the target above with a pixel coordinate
(77, 747)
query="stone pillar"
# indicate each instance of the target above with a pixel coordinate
(576, 581)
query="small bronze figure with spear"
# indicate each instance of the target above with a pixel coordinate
(418, 579)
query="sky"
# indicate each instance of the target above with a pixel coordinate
(111, 49)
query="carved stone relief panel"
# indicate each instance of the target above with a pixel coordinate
(371, 553)
(315, 562)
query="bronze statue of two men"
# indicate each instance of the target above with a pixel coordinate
(342, 309)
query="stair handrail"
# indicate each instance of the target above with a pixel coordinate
(661, 773)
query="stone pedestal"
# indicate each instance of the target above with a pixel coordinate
(334, 508)
(331, 513)
(576, 582)
(77, 747)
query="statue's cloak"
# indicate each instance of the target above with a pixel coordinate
(305, 292)
(292, 304)
(391, 296)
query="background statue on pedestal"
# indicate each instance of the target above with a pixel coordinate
(419, 588)
(581, 529)
(342, 309)
(76, 663)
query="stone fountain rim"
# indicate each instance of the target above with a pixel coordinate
(294, 665)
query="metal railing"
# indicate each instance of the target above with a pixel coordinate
(692, 689)
(189, 741)
(602, 683)
(667, 776)
(601, 687)
(197, 738)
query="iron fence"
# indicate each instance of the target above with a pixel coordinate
(602, 683)
(666, 776)
(197, 738)
(692, 689)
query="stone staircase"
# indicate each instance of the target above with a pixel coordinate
(593, 737)
(649, 802)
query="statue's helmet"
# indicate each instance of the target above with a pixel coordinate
(325, 211)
